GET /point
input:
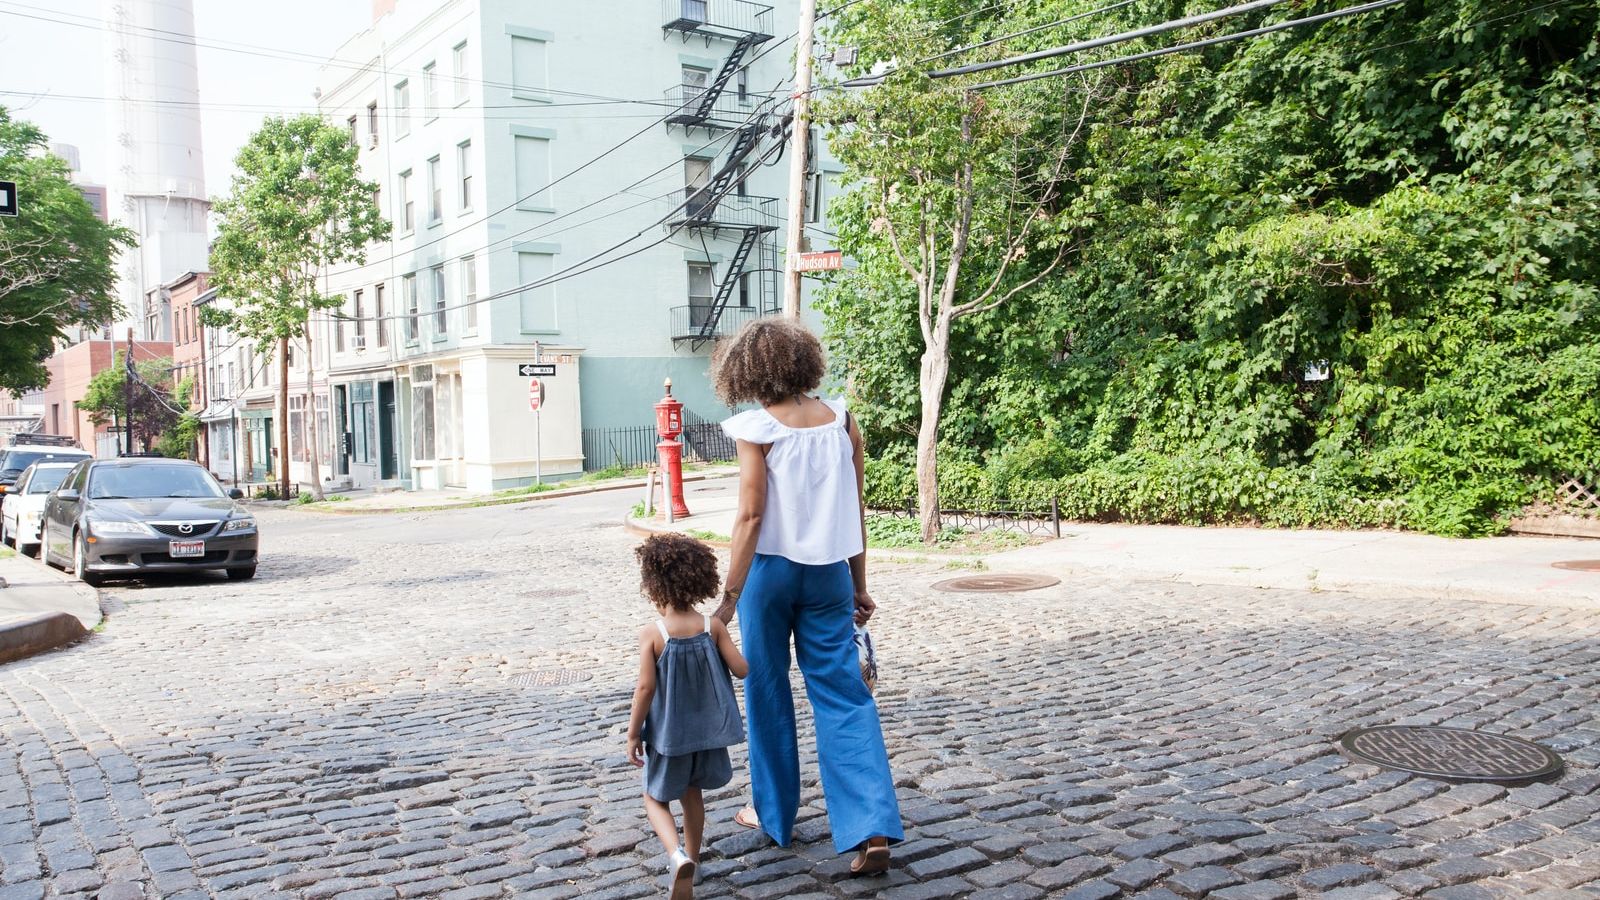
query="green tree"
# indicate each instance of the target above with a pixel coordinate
(162, 420)
(56, 258)
(956, 193)
(297, 206)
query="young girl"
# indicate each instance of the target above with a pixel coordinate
(684, 714)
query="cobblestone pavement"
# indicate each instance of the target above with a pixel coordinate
(351, 725)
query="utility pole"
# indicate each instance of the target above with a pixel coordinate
(127, 392)
(799, 137)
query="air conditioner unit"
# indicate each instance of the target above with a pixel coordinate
(372, 141)
(358, 342)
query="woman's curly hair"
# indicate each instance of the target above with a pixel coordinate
(677, 570)
(767, 361)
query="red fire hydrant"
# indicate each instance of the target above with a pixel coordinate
(669, 424)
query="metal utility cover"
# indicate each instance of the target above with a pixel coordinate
(1001, 583)
(550, 678)
(1579, 565)
(1451, 754)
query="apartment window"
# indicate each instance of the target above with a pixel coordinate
(696, 176)
(694, 80)
(324, 431)
(297, 428)
(744, 291)
(530, 73)
(435, 192)
(441, 315)
(464, 173)
(458, 63)
(538, 304)
(408, 296)
(422, 412)
(469, 292)
(380, 325)
(354, 138)
(337, 322)
(533, 172)
(739, 186)
(741, 82)
(430, 92)
(372, 123)
(408, 212)
(360, 323)
(702, 293)
(402, 109)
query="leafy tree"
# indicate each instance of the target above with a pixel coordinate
(297, 206)
(955, 194)
(56, 258)
(161, 418)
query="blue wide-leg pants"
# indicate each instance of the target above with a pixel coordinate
(814, 604)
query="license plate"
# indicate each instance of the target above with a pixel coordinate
(186, 548)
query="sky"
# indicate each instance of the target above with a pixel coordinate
(42, 64)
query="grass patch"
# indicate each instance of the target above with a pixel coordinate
(526, 489)
(7, 553)
(704, 535)
(336, 498)
(638, 511)
(895, 533)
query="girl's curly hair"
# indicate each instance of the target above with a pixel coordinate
(676, 570)
(767, 361)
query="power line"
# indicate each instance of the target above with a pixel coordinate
(1016, 34)
(1193, 45)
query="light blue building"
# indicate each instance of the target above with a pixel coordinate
(623, 157)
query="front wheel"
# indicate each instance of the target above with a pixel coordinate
(80, 562)
(244, 574)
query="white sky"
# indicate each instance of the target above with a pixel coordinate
(237, 89)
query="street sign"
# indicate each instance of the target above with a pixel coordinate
(820, 261)
(535, 395)
(535, 370)
(8, 198)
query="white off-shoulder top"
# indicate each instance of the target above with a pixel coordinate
(813, 511)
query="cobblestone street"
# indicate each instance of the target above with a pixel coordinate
(366, 720)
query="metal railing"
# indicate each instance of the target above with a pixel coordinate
(717, 18)
(635, 445)
(725, 111)
(703, 210)
(996, 515)
(688, 322)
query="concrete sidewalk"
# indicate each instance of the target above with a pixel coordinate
(1387, 564)
(41, 609)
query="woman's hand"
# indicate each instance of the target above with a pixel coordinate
(636, 751)
(864, 607)
(729, 605)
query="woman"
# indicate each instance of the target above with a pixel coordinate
(799, 570)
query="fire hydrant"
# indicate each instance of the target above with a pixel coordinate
(669, 424)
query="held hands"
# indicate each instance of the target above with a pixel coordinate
(864, 607)
(730, 603)
(636, 751)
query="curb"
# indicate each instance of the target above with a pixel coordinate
(46, 631)
(556, 494)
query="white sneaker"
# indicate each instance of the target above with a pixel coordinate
(682, 876)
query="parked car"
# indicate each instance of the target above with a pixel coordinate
(19, 519)
(134, 516)
(27, 449)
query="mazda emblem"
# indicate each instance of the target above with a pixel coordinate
(186, 528)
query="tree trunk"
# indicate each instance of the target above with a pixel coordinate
(935, 371)
(283, 417)
(311, 424)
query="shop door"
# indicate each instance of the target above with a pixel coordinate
(388, 451)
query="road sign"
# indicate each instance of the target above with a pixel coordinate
(535, 395)
(535, 370)
(8, 198)
(820, 261)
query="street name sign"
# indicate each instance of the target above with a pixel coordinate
(8, 198)
(535, 370)
(535, 395)
(820, 261)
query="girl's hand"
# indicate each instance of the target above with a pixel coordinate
(864, 607)
(636, 752)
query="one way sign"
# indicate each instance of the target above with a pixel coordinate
(536, 370)
(8, 198)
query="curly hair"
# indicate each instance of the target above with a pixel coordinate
(767, 361)
(676, 570)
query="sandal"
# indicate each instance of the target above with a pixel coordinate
(872, 859)
(747, 818)
(682, 876)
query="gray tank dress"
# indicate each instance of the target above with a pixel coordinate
(693, 718)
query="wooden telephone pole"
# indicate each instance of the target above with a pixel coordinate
(799, 138)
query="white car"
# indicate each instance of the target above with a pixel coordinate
(23, 512)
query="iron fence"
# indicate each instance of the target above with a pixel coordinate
(716, 18)
(635, 445)
(998, 515)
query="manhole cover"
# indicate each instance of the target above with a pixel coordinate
(549, 678)
(1579, 565)
(995, 584)
(1451, 754)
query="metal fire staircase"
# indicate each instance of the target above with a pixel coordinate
(700, 107)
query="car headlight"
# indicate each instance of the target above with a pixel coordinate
(239, 524)
(30, 517)
(114, 526)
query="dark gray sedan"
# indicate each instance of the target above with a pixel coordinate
(129, 517)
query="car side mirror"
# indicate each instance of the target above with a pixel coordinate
(235, 494)
(67, 494)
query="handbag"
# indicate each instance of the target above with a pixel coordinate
(868, 654)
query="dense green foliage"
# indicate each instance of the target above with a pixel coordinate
(1409, 197)
(162, 419)
(56, 258)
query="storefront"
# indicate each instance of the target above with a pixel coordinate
(366, 451)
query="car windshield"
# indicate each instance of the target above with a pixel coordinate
(150, 482)
(44, 481)
(13, 461)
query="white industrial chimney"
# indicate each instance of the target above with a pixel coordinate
(158, 177)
